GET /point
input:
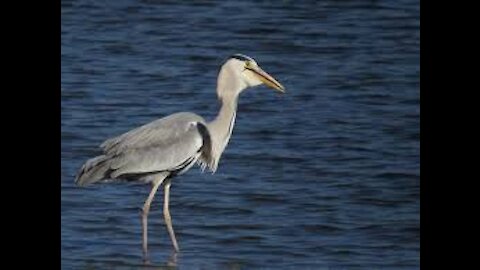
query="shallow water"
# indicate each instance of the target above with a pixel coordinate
(324, 177)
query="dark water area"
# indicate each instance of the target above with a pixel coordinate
(325, 176)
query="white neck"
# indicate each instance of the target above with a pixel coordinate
(229, 86)
(221, 129)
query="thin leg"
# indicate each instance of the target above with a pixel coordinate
(166, 215)
(146, 209)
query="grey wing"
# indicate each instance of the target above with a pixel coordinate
(167, 144)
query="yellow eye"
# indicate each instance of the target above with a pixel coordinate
(248, 64)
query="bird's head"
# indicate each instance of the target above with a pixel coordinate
(240, 72)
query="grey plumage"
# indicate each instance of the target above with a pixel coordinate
(169, 144)
(93, 170)
(162, 149)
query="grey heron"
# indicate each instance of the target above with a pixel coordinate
(160, 150)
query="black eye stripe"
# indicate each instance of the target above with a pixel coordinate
(241, 57)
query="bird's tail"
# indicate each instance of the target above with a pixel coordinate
(94, 170)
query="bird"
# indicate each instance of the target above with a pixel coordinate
(158, 151)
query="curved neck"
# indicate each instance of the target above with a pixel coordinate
(229, 86)
(222, 126)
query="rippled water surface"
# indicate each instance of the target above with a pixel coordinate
(323, 177)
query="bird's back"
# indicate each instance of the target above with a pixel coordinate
(171, 144)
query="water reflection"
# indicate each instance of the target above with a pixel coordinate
(170, 262)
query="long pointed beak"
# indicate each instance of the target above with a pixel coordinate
(267, 79)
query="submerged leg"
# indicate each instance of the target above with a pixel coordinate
(166, 215)
(146, 209)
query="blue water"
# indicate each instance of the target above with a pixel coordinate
(324, 177)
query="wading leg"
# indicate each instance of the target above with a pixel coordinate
(166, 215)
(146, 208)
